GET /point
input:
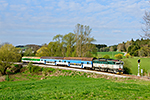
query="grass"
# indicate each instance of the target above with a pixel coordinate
(133, 64)
(66, 87)
(111, 54)
(130, 62)
(65, 84)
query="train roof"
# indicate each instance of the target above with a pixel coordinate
(52, 57)
(79, 58)
(109, 60)
(31, 57)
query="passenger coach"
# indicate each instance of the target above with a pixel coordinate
(115, 66)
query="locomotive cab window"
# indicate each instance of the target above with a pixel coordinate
(111, 62)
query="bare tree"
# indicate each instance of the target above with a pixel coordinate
(83, 40)
(146, 23)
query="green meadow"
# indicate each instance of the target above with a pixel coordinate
(130, 62)
(49, 83)
(111, 54)
(74, 88)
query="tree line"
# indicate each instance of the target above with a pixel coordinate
(77, 44)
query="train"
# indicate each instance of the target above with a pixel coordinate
(101, 64)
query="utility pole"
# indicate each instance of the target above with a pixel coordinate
(138, 67)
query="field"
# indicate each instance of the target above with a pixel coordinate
(130, 62)
(111, 54)
(133, 64)
(65, 87)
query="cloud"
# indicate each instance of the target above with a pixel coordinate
(116, 31)
(61, 16)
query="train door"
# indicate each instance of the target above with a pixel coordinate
(44, 61)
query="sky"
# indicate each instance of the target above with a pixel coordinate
(38, 21)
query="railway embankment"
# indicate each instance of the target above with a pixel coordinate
(107, 74)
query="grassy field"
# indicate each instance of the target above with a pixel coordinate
(64, 87)
(133, 64)
(130, 62)
(65, 84)
(111, 54)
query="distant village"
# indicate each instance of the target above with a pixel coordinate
(33, 47)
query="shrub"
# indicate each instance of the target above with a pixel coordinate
(36, 69)
(33, 69)
(127, 69)
(119, 56)
(29, 66)
(127, 55)
(106, 56)
(7, 78)
(14, 68)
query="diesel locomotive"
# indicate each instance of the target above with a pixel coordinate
(108, 65)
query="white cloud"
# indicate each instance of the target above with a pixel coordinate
(107, 17)
(116, 31)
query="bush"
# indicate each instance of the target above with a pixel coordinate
(29, 66)
(36, 69)
(33, 69)
(7, 78)
(127, 55)
(119, 56)
(106, 56)
(47, 71)
(127, 70)
(126, 67)
(14, 68)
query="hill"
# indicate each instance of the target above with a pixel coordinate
(64, 84)
(133, 64)
(111, 54)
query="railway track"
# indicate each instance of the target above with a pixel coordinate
(91, 71)
(81, 70)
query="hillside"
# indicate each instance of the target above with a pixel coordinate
(111, 54)
(65, 84)
(75, 88)
(133, 64)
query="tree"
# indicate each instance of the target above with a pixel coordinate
(8, 55)
(29, 52)
(106, 56)
(69, 41)
(111, 48)
(127, 45)
(121, 47)
(144, 51)
(99, 46)
(60, 45)
(133, 50)
(127, 55)
(146, 23)
(43, 51)
(119, 56)
(84, 44)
